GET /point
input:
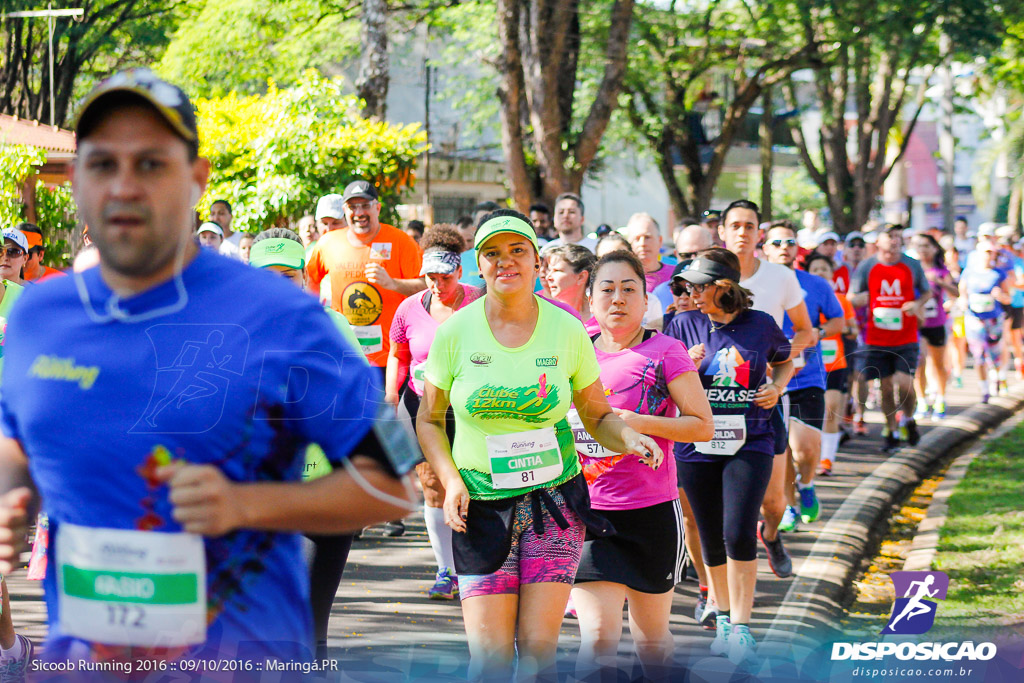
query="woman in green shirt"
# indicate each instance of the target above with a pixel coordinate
(510, 365)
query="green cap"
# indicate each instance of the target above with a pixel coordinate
(277, 251)
(500, 224)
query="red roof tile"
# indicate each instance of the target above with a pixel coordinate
(15, 131)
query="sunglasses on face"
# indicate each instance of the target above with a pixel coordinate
(783, 243)
(14, 252)
(855, 245)
(696, 289)
(685, 255)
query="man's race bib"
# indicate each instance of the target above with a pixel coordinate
(122, 587)
(981, 303)
(585, 443)
(888, 318)
(380, 251)
(524, 458)
(730, 435)
(829, 350)
(370, 338)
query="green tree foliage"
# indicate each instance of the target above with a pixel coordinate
(234, 45)
(274, 155)
(111, 35)
(55, 207)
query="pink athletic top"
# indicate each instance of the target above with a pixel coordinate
(663, 274)
(635, 379)
(414, 326)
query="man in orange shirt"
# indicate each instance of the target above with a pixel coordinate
(34, 268)
(370, 267)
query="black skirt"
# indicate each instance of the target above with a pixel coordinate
(645, 553)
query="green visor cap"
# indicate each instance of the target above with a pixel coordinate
(277, 251)
(501, 224)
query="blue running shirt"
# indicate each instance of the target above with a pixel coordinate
(248, 373)
(821, 301)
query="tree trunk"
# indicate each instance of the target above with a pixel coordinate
(765, 131)
(1014, 209)
(372, 84)
(513, 104)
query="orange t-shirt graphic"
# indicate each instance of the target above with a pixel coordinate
(335, 265)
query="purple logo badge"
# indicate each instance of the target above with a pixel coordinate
(913, 612)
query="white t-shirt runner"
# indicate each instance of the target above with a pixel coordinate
(775, 289)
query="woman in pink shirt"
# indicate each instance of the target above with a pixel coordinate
(653, 386)
(412, 332)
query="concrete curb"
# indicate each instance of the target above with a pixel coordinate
(814, 603)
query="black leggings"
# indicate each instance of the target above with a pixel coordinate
(330, 554)
(726, 496)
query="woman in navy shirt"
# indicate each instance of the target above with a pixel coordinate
(725, 478)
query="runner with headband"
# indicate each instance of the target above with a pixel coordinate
(651, 384)
(726, 478)
(510, 364)
(173, 529)
(412, 333)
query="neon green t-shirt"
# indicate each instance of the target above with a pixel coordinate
(495, 390)
(11, 294)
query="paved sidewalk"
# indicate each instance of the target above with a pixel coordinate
(384, 628)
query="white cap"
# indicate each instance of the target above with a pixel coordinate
(870, 237)
(987, 229)
(1005, 231)
(330, 206)
(826, 236)
(853, 236)
(210, 226)
(16, 236)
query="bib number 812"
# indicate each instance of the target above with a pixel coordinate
(126, 615)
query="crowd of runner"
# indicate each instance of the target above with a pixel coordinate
(595, 413)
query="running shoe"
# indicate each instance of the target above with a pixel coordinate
(825, 468)
(910, 433)
(957, 382)
(446, 586)
(702, 603)
(720, 645)
(860, 427)
(709, 617)
(790, 519)
(984, 398)
(12, 669)
(809, 506)
(923, 412)
(742, 646)
(940, 410)
(570, 610)
(1002, 388)
(778, 558)
(394, 529)
(891, 444)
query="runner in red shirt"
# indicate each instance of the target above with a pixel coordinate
(895, 289)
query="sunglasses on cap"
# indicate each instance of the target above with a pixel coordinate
(788, 242)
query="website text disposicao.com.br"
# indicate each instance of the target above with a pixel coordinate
(947, 672)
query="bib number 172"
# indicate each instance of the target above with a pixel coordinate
(126, 615)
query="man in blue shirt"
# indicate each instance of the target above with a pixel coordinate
(174, 490)
(806, 390)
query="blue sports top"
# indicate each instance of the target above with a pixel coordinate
(243, 377)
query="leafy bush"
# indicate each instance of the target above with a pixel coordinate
(274, 155)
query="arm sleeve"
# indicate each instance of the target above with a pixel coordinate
(315, 268)
(337, 404)
(399, 325)
(859, 279)
(830, 303)
(677, 361)
(587, 371)
(439, 367)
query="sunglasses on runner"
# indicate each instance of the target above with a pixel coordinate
(14, 252)
(783, 243)
(697, 289)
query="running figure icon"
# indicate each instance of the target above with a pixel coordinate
(914, 612)
(195, 359)
(914, 606)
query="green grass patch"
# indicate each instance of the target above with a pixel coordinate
(981, 545)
